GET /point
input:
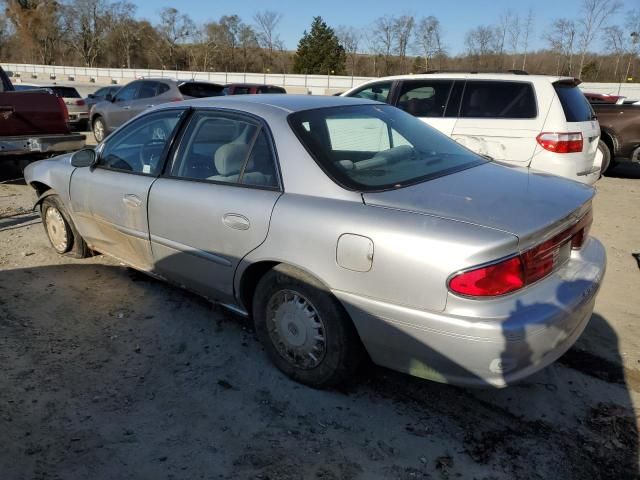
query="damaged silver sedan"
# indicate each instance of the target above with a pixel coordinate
(345, 228)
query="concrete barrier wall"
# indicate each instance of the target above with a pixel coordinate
(311, 84)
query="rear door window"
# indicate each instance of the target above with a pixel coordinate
(497, 99)
(128, 92)
(65, 92)
(425, 98)
(575, 105)
(271, 89)
(377, 91)
(147, 90)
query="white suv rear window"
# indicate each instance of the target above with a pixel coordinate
(575, 105)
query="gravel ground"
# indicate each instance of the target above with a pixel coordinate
(111, 374)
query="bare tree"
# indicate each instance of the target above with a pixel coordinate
(266, 24)
(617, 43)
(595, 14)
(428, 39)
(349, 38)
(514, 30)
(561, 38)
(382, 40)
(122, 24)
(87, 24)
(174, 28)
(39, 28)
(402, 28)
(633, 27)
(480, 43)
(247, 42)
(528, 30)
(502, 30)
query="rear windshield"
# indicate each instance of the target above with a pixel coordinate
(271, 89)
(65, 92)
(575, 105)
(201, 90)
(378, 147)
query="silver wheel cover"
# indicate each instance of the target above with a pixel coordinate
(56, 229)
(296, 329)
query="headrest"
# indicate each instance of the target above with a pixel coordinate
(229, 158)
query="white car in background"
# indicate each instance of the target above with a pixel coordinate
(536, 121)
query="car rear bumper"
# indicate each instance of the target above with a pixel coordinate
(24, 145)
(569, 165)
(492, 342)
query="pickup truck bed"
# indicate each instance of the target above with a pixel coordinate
(34, 123)
(620, 130)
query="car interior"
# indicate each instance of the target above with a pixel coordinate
(217, 149)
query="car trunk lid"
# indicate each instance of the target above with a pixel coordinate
(532, 206)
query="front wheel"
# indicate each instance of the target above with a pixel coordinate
(99, 129)
(62, 235)
(304, 329)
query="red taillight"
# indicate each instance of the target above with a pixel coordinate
(490, 281)
(63, 107)
(80, 103)
(529, 267)
(561, 142)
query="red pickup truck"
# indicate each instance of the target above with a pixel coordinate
(34, 124)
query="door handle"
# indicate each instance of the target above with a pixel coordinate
(149, 106)
(126, 108)
(131, 200)
(236, 221)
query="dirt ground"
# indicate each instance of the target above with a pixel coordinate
(108, 374)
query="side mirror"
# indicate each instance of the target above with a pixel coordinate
(84, 158)
(109, 97)
(91, 95)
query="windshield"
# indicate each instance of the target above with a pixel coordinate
(378, 147)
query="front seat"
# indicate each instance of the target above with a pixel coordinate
(228, 161)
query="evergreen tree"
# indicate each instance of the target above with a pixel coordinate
(319, 51)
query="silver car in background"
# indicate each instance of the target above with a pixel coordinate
(345, 228)
(140, 95)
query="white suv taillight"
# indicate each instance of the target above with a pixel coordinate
(561, 142)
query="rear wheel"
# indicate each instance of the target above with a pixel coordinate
(304, 329)
(606, 156)
(62, 235)
(99, 129)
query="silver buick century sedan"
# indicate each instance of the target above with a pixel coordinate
(345, 228)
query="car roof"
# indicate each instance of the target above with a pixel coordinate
(480, 76)
(240, 84)
(287, 103)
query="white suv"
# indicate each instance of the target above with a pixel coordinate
(535, 121)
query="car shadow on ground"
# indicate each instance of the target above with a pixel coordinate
(109, 373)
(624, 170)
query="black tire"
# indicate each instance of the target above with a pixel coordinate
(606, 157)
(343, 352)
(101, 132)
(73, 246)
